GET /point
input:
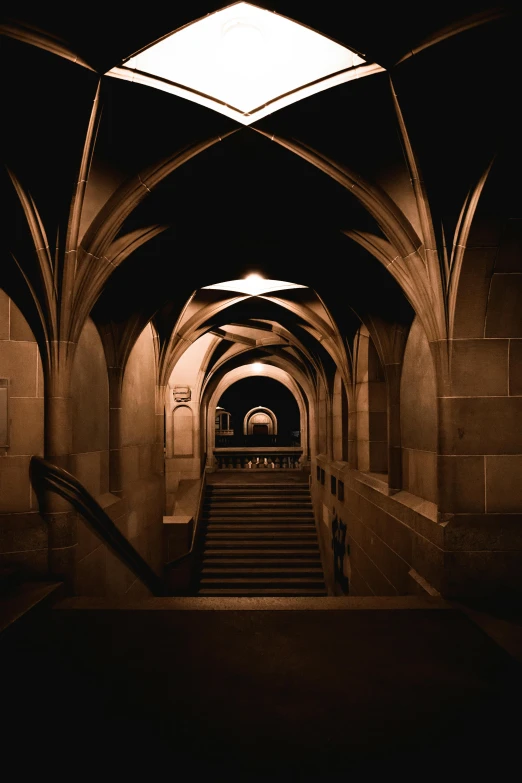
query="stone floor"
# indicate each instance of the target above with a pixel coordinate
(262, 689)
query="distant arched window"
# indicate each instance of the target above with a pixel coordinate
(223, 423)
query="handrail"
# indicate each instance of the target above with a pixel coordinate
(46, 476)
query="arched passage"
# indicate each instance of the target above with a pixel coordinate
(240, 373)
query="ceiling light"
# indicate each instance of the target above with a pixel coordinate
(257, 367)
(243, 61)
(254, 285)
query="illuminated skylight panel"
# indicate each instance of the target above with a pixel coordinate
(244, 56)
(240, 59)
(254, 285)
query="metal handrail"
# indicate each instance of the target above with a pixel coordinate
(45, 476)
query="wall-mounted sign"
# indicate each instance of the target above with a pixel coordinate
(181, 393)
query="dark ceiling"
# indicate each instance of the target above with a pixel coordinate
(247, 203)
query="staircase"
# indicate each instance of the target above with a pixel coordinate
(259, 540)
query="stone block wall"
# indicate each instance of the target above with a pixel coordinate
(142, 460)
(392, 544)
(23, 533)
(418, 417)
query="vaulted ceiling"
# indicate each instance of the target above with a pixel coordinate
(232, 199)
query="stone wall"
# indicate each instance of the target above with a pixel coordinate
(419, 417)
(480, 411)
(386, 545)
(98, 572)
(23, 533)
(371, 406)
(142, 452)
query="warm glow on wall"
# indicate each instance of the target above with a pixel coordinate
(257, 367)
(243, 61)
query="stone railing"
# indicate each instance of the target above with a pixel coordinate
(260, 458)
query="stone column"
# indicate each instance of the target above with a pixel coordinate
(480, 469)
(57, 512)
(393, 385)
(115, 454)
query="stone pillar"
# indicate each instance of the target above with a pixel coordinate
(322, 426)
(159, 439)
(115, 454)
(393, 385)
(480, 468)
(57, 512)
(371, 405)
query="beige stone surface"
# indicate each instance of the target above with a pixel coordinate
(418, 393)
(473, 291)
(4, 315)
(14, 484)
(504, 314)
(19, 329)
(462, 479)
(515, 367)
(479, 368)
(481, 425)
(138, 393)
(504, 484)
(18, 363)
(26, 416)
(89, 393)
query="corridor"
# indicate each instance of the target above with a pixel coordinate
(261, 385)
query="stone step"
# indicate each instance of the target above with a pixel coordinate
(276, 543)
(260, 540)
(260, 591)
(263, 555)
(246, 485)
(244, 514)
(242, 535)
(255, 502)
(256, 521)
(238, 529)
(288, 570)
(258, 492)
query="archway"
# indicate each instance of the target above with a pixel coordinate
(260, 421)
(276, 373)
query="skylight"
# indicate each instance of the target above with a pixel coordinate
(244, 62)
(254, 285)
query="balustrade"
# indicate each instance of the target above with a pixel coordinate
(256, 460)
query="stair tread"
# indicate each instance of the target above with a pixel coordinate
(208, 591)
(228, 535)
(239, 525)
(260, 540)
(244, 484)
(262, 544)
(258, 552)
(283, 506)
(259, 562)
(284, 572)
(249, 513)
(210, 517)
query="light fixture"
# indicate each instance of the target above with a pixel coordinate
(254, 285)
(244, 61)
(257, 367)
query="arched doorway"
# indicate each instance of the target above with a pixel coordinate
(260, 421)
